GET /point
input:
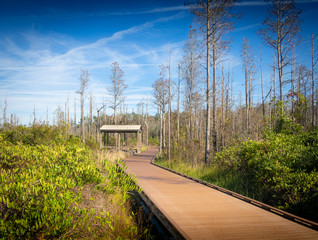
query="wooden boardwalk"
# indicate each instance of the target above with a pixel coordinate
(200, 212)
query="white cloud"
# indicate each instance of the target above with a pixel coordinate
(155, 10)
(264, 3)
(46, 71)
(248, 27)
(251, 3)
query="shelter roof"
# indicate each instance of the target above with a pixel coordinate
(120, 128)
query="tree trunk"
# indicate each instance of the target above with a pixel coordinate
(214, 132)
(246, 98)
(169, 110)
(82, 118)
(208, 123)
(178, 104)
(161, 131)
(191, 98)
(75, 124)
(164, 113)
(4, 121)
(222, 108)
(312, 81)
(90, 116)
(262, 85)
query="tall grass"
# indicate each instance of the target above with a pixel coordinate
(212, 174)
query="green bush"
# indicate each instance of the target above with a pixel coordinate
(40, 187)
(281, 170)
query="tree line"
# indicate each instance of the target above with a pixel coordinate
(87, 125)
(199, 109)
(212, 118)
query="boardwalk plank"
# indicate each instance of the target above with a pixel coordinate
(200, 212)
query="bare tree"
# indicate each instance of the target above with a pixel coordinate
(280, 31)
(4, 120)
(164, 96)
(75, 123)
(117, 87)
(34, 116)
(262, 83)
(214, 19)
(178, 102)
(98, 124)
(90, 118)
(84, 77)
(68, 109)
(160, 94)
(222, 122)
(59, 114)
(314, 60)
(116, 90)
(203, 13)
(249, 71)
(146, 123)
(191, 74)
(169, 108)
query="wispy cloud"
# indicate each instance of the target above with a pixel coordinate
(155, 10)
(251, 3)
(245, 28)
(46, 72)
(264, 3)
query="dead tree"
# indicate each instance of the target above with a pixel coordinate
(314, 60)
(116, 90)
(99, 125)
(214, 21)
(169, 108)
(34, 116)
(90, 118)
(146, 123)
(262, 83)
(4, 120)
(191, 74)
(75, 123)
(178, 102)
(84, 77)
(280, 31)
(160, 94)
(68, 110)
(164, 94)
(249, 71)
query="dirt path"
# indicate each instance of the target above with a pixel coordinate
(200, 212)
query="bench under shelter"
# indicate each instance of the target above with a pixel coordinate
(121, 130)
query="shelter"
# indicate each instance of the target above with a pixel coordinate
(121, 129)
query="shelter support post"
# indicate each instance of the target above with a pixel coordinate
(138, 141)
(118, 141)
(104, 140)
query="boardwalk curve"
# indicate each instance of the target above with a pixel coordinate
(200, 212)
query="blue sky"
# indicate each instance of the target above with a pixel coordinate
(44, 44)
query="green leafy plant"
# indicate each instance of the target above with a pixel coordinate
(44, 180)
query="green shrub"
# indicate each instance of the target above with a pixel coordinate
(41, 188)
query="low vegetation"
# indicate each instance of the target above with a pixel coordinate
(280, 170)
(54, 187)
